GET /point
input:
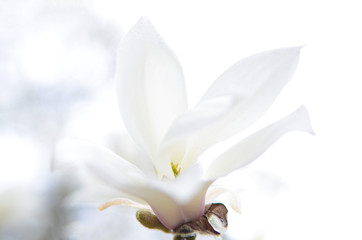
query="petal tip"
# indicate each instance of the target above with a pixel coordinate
(295, 51)
(144, 20)
(303, 114)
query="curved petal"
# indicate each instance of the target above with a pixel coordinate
(171, 211)
(81, 153)
(214, 192)
(97, 192)
(151, 89)
(180, 201)
(173, 202)
(123, 201)
(124, 146)
(71, 153)
(235, 201)
(234, 197)
(254, 83)
(194, 122)
(253, 146)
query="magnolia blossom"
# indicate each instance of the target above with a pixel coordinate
(161, 171)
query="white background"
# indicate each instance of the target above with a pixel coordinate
(320, 176)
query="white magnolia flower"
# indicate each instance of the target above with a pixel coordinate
(160, 171)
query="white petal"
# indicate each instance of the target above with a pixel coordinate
(125, 202)
(193, 123)
(253, 146)
(186, 196)
(214, 192)
(172, 211)
(97, 192)
(124, 146)
(234, 197)
(174, 202)
(71, 153)
(81, 153)
(151, 89)
(235, 201)
(253, 83)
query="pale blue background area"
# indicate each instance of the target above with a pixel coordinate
(57, 61)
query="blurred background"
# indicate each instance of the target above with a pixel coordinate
(57, 62)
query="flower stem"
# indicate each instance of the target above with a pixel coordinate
(178, 237)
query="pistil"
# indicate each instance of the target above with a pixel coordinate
(176, 169)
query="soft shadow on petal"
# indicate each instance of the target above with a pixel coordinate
(96, 192)
(253, 146)
(234, 196)
(235, 201)
(169, 210)
(188, 192)
(73, 155)
(174, 202)
(124, 146)
(70, 153)
(151, 88)
(194, 122)
(124, 202)
(214, 192)
(254, 83)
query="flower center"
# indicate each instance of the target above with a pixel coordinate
(176, 169)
